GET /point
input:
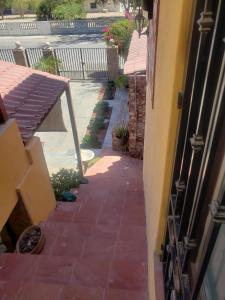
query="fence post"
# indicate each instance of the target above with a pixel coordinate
(20, 56)
(112, 62)
(47, 50)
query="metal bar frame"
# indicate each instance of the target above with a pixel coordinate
(199, 135)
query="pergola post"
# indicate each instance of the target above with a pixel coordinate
(20, 56)
(75, 135)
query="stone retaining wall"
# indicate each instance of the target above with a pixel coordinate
(137, 99)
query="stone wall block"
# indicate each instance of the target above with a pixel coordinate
(113, 62)
(137, 99)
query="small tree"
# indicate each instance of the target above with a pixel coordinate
(34, 4)
(45, 9)
(3, 5)
(70, 10)
(20, 5)
(60, 9)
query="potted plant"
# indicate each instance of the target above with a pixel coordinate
(110, 90)
(31, 241)
(120, 136)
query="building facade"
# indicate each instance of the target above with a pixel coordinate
(93, 6)
(184, 152)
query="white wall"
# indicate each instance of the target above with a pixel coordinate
(25, 28)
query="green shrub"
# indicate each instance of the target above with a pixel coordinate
(120, 32)
(122, 81)
(90, 141)
(69, 11)
(122, 133)
(110, 90)
(111, 84)
(60, 9)
(44, 10)
(101, 107)
(96, 124)
(64, 181)
(48, 64)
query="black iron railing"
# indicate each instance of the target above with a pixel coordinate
(201, 129)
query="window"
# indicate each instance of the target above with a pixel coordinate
(93, 5)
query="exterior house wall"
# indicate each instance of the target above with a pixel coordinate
(110, 6)
(23, 172)
(162, 119)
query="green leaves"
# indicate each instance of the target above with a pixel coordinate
(69, 11)
(121, 81)
(90, 141)
(48, 64)
(64, 181)
(61, 9)
(101, 107)
(120, 32)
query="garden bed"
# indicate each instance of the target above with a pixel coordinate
(110, 92)
(98, 126)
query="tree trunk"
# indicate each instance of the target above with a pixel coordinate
(2, 13)
(21, 12)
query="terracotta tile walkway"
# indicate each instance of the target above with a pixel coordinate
(96, 247)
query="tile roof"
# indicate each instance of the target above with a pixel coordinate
(137, 56)
(29, 95)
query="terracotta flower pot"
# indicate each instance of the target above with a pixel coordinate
(31, 241)
(118, 144)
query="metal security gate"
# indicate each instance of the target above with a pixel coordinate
(82, 63)
(7, 55)
(74, 63)
(34, 56)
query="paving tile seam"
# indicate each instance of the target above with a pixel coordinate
(114, 250)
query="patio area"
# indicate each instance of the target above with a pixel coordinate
(96, 248)
(59, 146)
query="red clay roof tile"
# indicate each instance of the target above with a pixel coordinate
(29, 95)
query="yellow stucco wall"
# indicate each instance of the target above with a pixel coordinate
(162, 121)
(35, 187)
(23, 170)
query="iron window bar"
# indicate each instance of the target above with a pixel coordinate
(185, 201)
